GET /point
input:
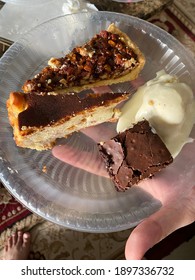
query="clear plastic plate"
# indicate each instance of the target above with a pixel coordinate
(67, 195)
(28, 2)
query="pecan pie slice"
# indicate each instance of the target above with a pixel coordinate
(110, 57)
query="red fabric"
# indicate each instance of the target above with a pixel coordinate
(182, 26)
(11, 211)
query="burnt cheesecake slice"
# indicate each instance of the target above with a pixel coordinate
(109, 57)
(133, 155)
(38, 120)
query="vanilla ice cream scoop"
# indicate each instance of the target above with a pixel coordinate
(168, 105)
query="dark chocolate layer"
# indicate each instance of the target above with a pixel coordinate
(46, 109)
(134, 155)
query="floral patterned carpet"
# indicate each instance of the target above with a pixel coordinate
(50, 241)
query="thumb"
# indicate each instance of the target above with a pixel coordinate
(153, 229)
(142, 238)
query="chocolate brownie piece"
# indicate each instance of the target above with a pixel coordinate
(133, 155)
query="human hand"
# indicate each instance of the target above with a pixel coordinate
(176, 191)
(175, 188)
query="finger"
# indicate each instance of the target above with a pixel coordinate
(26, 239)
(81, 159)
(153, 229)
(20, 234)
(101, 132)
(9, 242)
(14, 238)
(137, 83)
(102, 89)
